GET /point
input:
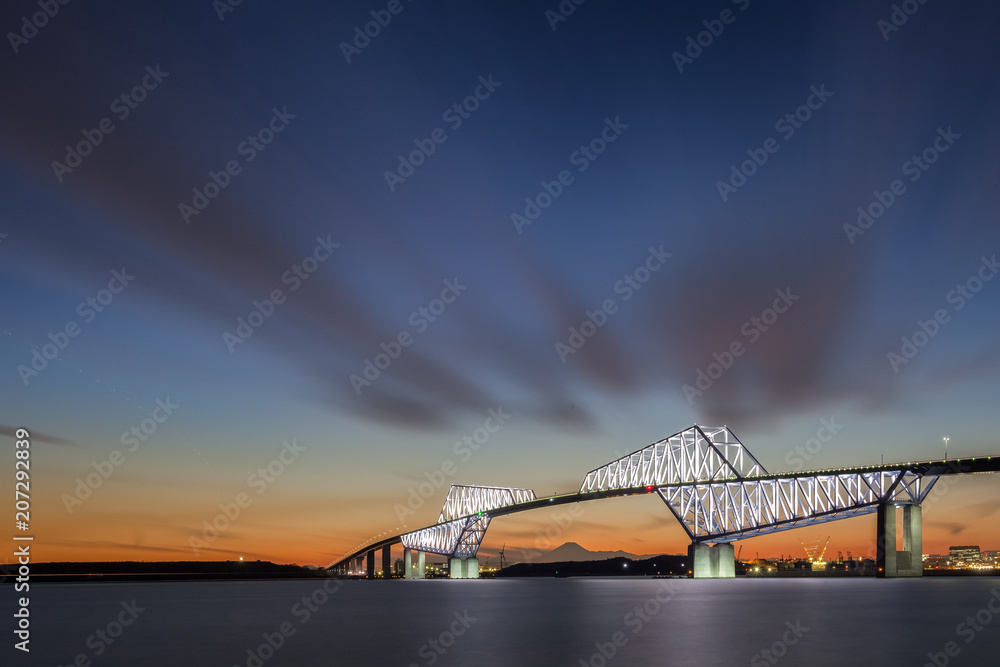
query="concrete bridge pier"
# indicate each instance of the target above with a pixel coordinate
(413, 570)
(913, 537)
(359, 565)
(712, 562)
(387, 562)
(908, 562)
(464, 568)
(370, 572)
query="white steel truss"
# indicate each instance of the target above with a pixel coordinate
(463, 522)
(696, 454)
(466, 500)
(459, 538)
(711, 483)
(726, 511)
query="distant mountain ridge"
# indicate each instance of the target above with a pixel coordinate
(572, 551)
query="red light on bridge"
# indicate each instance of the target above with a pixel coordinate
(649, 489)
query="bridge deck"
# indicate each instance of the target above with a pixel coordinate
(965, 466)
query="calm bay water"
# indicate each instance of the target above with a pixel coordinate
(516, 622)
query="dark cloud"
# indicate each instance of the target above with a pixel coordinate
(38, 437)
(951, 527)
(118, 546)
(786, 365)
(312, 181)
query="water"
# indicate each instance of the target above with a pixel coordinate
(519, 622)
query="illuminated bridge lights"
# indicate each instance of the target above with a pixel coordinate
(464, 520)
(694, 454)
(709, 481)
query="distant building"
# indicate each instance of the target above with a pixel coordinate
(936, 562)
(967, 555)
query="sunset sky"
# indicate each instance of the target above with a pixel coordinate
(258, 167)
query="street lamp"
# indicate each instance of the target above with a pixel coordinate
(946, 439)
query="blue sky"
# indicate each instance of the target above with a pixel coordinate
(554, 91)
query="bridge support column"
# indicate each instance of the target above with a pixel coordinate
(885, 540)
(712, 562)
(913, 538)
(387, 562)
(413, 570)
(370, 572)
(359, 565)
(701, 564)
(464, 568)
(907, 562)
(421, 565)
(724, 560)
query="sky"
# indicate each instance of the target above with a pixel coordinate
(262, 269)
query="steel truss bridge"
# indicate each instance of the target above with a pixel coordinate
(717, 490)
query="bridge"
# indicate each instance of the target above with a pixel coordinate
(714, 487)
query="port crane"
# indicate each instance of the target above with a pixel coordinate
(813, 551)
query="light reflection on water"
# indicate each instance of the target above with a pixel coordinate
(520, 622)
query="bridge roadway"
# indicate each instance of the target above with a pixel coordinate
(965, 466)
